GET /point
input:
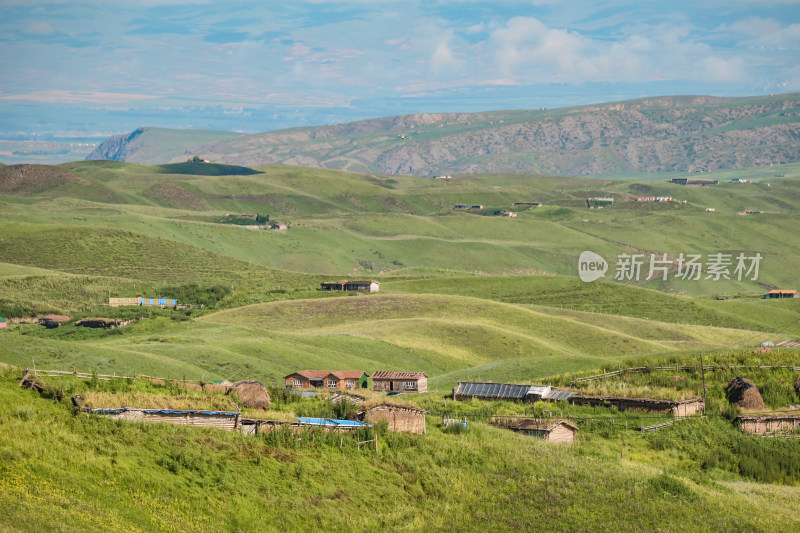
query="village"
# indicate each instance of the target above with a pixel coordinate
(359, 400)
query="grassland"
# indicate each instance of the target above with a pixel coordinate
(464, 296)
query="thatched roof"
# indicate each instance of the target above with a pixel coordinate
(250, 394)
(744, 393)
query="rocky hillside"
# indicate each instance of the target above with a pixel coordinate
(686, 133)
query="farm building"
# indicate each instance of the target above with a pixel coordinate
(598, 202)
(549, 430)
(775, 423)
(53, 321)
(3, 323)
(507, 391)
(400, 381)
(527, 204)
(141, 301)
(118, 302)
(691, 181)
(782, 293)
(366, 286)
(460, 206)
(677, 408)
(328, 379)
(399, 417)
(219, 419)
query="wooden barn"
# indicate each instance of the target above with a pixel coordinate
(327, 379)
(363, 286)
(782, 293)
(549, 430)
(226, 420)
(400, 382)
(399, 417)
(768, 424)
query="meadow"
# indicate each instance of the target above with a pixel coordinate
(463, 296)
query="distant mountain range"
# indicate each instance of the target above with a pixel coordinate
(664, 134)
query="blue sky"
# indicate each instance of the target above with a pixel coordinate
(98, 68)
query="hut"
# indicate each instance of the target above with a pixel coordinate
(226, 420)
(650, 405)
(363, 286)
(782, 293)
(399, 381)
(53, 321)
(250, 394)
(769, 424)
(744, 393)
(399, 417)
(549, 430)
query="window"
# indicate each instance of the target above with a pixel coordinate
(296, 383)
(350, 383)
(411, 384)
(332, 383)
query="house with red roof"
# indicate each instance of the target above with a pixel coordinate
(327, 379)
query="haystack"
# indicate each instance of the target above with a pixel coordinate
(250, 394)
(744, 393)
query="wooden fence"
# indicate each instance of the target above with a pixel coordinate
(105, 377)
(794, 367)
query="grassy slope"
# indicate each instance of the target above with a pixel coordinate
(62, 471)
(345, 223)
(449, 337)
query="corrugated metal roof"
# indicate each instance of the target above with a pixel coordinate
(557, 395)
(492, 390)
(538, 390)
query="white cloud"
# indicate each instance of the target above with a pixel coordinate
(767, 33)
(39, 28)
(443, 58)
(76, 97)
(533, 52)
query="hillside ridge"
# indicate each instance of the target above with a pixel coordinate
(660, 134)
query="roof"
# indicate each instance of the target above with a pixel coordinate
(61, 318)
(349, 282)
(556, 394)
(398, 375)
(783, 291)
(3, 319)
(545, 425)
(396, 407)
(492, 390)
(117, 410)
(321, 374)
(331, 422)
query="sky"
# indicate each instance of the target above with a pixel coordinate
(85, 68)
